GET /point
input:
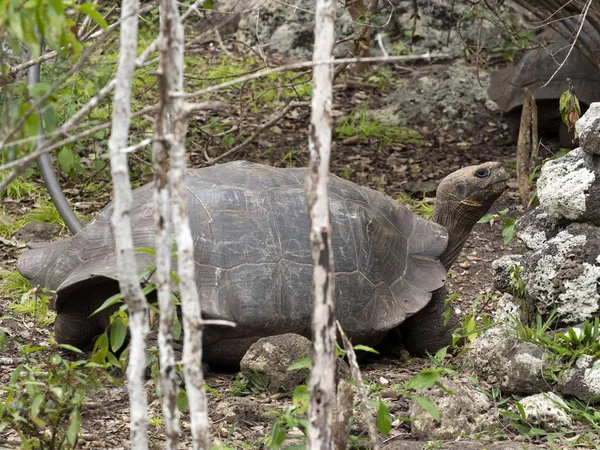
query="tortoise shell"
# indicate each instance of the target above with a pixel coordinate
(253, 258)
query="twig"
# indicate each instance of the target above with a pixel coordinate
(360, 387)
(252, 138)
(428, 56)
(581, 23)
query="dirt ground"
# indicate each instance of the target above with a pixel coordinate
(394, 169)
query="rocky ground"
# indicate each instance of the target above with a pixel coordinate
(445, 104)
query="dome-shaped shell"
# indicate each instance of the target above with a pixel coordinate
(538, 65)
(253, 256)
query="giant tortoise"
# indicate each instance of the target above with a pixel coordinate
(253, 255)
(534, 70)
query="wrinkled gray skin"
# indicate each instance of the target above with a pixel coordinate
(254, 264)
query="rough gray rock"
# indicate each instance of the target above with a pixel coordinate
(466, 411)
(546, 411)
(272, 356)
(448, 91)
(286, 28)
(502, 268)
(518, 367)
(512, 365)
(564, 273)
(535, 227)
(582, 380)
(588, 129)
(38, 232)
(569, 187)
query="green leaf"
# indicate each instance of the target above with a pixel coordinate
(300, 399)
(303, 363)
(70, 348)
(90, 10)
(66, 159)
(149, 251)
(113, 300)
(508, 231)
(74, 426)
(118, 332)
(427, 405)
(365, 348)
(49, 118)
(426, 379)
(384, 419)
(487, 218)
(36, 404)
(276, 437)
(208, 4)
(32, 125)
(182, 400)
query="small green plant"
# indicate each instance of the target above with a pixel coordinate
(508, 224)
(361, 124)
(570, 111)
(249, 383)
(18, 188)
(474, 323)
(43, 399)
(433, 445)
(423, 207)
(31, 302)
(382, 77)
(292, 418)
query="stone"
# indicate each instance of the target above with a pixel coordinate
(271, 356)
(535, 227)
(512, 365)
(582, 380)
(568, 188)
(588, 130)
(546, 411)
(502, 268)
(459, 444)
(38, 232)
(564, 274)
(466, 411)
(286, 28)
(283, 28)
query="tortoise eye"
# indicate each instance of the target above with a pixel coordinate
(482, 173)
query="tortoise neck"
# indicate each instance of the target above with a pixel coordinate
(458, 222)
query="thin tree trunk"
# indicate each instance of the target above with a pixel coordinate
(128, 281)
(190, 301)
(167, 79)
(526, 144)
(362, 31)
(322, 376)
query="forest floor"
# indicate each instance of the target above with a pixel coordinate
(399, 169)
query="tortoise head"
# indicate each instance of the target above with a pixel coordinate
(464, 197)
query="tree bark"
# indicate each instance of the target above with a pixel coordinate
(362, 31)
(190, 301)
(526, 144)
(322, 376)
(128, 281)
(167, 79)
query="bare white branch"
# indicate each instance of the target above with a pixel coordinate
(126, 265)
(322, 374)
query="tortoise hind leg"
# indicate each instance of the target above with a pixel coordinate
(74, 324)
(427, 330)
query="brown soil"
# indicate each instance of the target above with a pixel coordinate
(393, 169)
